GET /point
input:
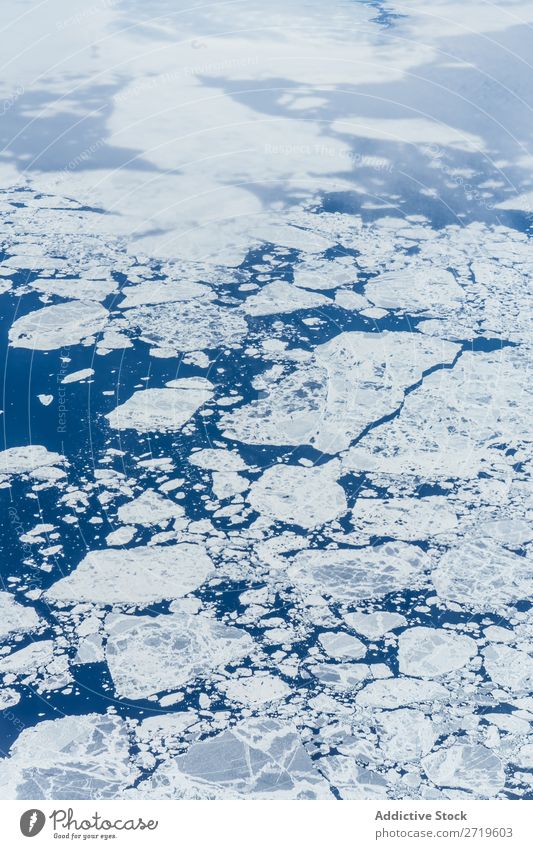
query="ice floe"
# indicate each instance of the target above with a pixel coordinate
(341, 645)
(45, 400)
(406, 734)
(149, 508)
(299, 496)
(452, 424)
(348, 383)
(256, 759)
(187, 326)
(430, 290)
(431, 652)
(280, 297)
(256, 690)
(325, 273)
(483, 575)
(32, 462)
(374, 625)
(57, 326)
(76, 376)
(396, 692)
(149, 654)
(403, 518)
(352, 575)
(510, 668)
(161, 409)
(141, 575)
(16, 618)
(75, 757)
(471, 767)
(162, 292)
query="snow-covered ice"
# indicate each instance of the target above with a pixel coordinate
(266, 416)
(161, 409)
(149, 654)
(141, 575)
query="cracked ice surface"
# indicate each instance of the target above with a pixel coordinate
(309, 557)
(76, 757)
(257, 759)
(147, 655)
(266, 468)
(350, 382)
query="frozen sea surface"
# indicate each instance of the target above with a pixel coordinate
(265, 279)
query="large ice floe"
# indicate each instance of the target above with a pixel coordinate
(136, 576)
(361, 573)
(162, 409)
(149, 654)
(75, 757)
(298, 495)
(59, 325)
(256, 759)
(346, 385)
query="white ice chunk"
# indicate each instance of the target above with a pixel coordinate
(351, 381)
(121, 536)
(188, 326)
(57, 326)
(159, 729)
(430, 652)
(405, 734)
(426, 289)
(27, 458)
(354, 575)
(341, 645)
(160, 409)
(227, 484)
(76, 376)
(470, 767)
(256, 759)
(325, 273)
(149, 654)
(513, 532)
(404, 518)
(298, 495)
(395, 692)
(483, 575)
(510, 668)
(8, 698)
(450, 426)
(28, 659)
(218, 459)
(374, 625)
(16, 618)
(142, 575)
(260, 688)
(279, 297)
(162, 292)
(149, 508)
